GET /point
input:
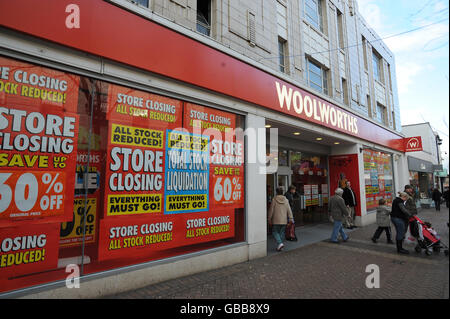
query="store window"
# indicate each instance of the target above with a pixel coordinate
(310, 177)
(378, 178)
(106, 176)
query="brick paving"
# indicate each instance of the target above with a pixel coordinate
(321, 271)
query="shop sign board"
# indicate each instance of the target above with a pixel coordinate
(413, 144)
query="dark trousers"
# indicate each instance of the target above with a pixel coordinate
(437, 204)
(379, 231)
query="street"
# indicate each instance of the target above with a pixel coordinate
(323, 270)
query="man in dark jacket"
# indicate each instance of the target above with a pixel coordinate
(290, 194)
(410, 203)
(446, 196)
(436, 197)
(350, 201)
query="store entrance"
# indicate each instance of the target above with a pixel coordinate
(307, 171)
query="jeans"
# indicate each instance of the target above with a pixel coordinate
(337, 229)
(400, 228)
(278, 232)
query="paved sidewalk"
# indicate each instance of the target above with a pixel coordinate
(322, 270)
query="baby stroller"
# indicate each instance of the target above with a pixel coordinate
(425, 238)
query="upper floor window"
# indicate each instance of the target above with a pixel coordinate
(141, 2)
(340, 29)
(376, 64)
(381, 113)
(313, 13)
(364, 47)
(204, 17)
(317, 77)
(282, 55)
(389, 76)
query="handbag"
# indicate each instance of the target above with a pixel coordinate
(290, 232)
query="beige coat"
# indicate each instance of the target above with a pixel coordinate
(280, 211)
(383, 216)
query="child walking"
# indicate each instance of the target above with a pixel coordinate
(383, 222)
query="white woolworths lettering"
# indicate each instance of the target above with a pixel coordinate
(312, 108)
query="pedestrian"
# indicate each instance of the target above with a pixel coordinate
(410, 203)
(446, 196)
(280, 214)
(337, 212)
(383, 221)
(350, 201)
(436, 197)
(400, 219)
(290, 194)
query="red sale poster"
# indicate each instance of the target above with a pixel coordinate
(38, 143)
(142, 108)
(140, 236)
(28, 250)
(226, 154)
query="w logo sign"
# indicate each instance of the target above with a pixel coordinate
(413, 144)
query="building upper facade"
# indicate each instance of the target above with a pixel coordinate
(324, 46)
(430, 142)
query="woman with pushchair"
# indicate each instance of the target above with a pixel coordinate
(400, 218)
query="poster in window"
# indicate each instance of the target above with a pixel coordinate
(38, 144)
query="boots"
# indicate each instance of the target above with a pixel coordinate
(400, 249)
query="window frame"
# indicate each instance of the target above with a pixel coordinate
(376, 66)
(319, 72)
(282, 55)
(315, 7)
(200, 25)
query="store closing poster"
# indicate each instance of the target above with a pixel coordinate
(38, 147)
(159, 176)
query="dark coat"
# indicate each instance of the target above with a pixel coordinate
(436, 195)
(411, 206)
(399, 210)
(348, 198)
(446, 195)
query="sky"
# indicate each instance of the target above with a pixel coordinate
(421, 58)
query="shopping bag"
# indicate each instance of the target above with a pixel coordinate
(290, 232)
(409, 239)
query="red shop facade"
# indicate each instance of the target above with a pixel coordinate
(103, 170)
